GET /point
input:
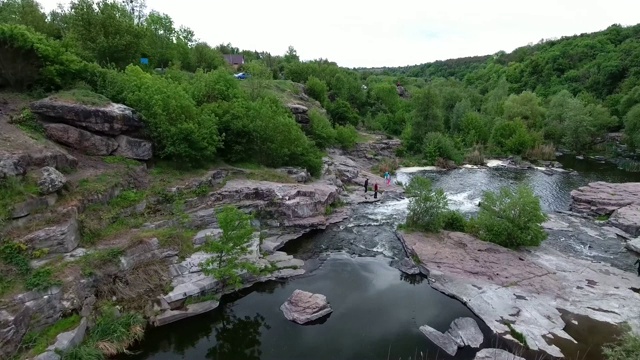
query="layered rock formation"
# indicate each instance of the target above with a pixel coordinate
(94, 130)
(523, 288)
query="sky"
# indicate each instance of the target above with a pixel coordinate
(374, 33)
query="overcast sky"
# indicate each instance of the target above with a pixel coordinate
(374, 33)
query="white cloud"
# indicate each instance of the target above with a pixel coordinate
(390, 33)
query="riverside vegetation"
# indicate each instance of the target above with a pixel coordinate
(525, 103)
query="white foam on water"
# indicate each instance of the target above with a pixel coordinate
(415, 169)
(495, 163)
(463, 201)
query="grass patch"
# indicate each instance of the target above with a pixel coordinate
(262, 173)
(200, 299)
(97, 185)
(82, 96)
(603, 217)
(333, 206)
(101, 221)
(177, 238)
(517, 335)
(14, 191)
(38, 342)
(628, 347)
(14, 266)
(99, 259)
(41, 279)
(28, 123)
(111, 335)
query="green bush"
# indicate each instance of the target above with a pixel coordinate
(320, 130)
(510, 218)
(438, 145)
(454, 221)
(317, 89)
(427, 207)
(627, 348)
(212, 86)
(632, 127)
(342, 113)
(512, 137)
(346, 136)
(180, 131)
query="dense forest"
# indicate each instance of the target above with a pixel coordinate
(567, 93)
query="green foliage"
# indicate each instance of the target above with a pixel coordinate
(15, 255)
(426, 118)
(526, 106)
(427, 207)
(439, 146)
(343, 114)
(180, 130)
(628, 347)
(346, 136)
(120, 160)
(227, 264)
(317, 89)
(38, 342)
(41, 279)
(510, 218)
(27, 122)
(454, 221)
(320, 130)
(14, 191)
(82, 96)
(99, 259)
(518, 335)
(511, 137)
(632, 127)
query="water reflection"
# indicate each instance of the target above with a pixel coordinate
(238, 337)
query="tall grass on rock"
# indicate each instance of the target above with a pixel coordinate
(510, 218)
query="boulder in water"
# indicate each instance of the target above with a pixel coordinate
(462, 332)
(303, 307)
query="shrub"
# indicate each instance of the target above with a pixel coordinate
(179, 130)
(27, 122)
(317, 89)
(454, 221)
(427, 207)
(438, 145)
(208, 87)
(512, 137)
(632, 128)
(510, 218)
(320, 130)
(346, 136)
(627, 348)
(475, 157)
(342, 113)
(542, 152)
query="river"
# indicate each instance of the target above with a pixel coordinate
(377, 309)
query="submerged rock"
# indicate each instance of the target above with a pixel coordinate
(496, 354)
(303, 307)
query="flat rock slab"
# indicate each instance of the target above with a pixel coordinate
(443, 341)
(462, 332)
(303, 307)
(627, 219)
(171, 316)
(496, 354)
(528, 288)
(634, 245)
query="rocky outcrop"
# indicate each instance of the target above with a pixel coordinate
(112, 119)
(58, 239)
(496, 354)
(621, 201)
(301, 113)
(526, 289)
(462, 332)
(303, 307)
(27, 207)
(634, 245)
(133, 148)
(12, 328)
(85, 141)
(94, 130)
(17, 164)
(11, 165)
(70, 339)
(51, 180)
(297, 174)
(376, 150)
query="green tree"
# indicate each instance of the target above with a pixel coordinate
(228, 263)
(427, 207)
(342, 113)
(632, 127)
(320, 130)
(526, 106)
(346, 136)
(317, 89)
(439, 146)
(259, 74)
(510, 218)
(426, 117)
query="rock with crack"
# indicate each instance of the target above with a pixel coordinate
(48, 355)
(526, 289)
(58, 239)
(132, 148)
(51, 180)
(301, 113)
(462, 332)
(496, 354)
(12, 328)
(111, 119)
(88, 143)
(443, 341)
(303, 307)
(602, 198)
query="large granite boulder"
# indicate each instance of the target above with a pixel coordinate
(621, 201)
(51, 180)
(112, 119)
(88, 143)
(303, 307)
(58, 239)
(133, 148)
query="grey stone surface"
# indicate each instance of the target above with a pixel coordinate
(61, 238)
(465, 332)
(70, 339)
(51, 180)
(11, 165)
(627, 219)
(303, 307)
(443, 341)
(297, 174)
(633, 245)
(112, 119)
(27, 207)
(496, 354)
(133, 148)
(171, 316)
(88, 143)
(48, 355)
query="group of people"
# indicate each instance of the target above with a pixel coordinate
(387, 179)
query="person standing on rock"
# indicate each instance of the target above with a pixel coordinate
(366, 184)
(637, 263)
(375, 190)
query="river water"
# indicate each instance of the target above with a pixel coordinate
(377, 309)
